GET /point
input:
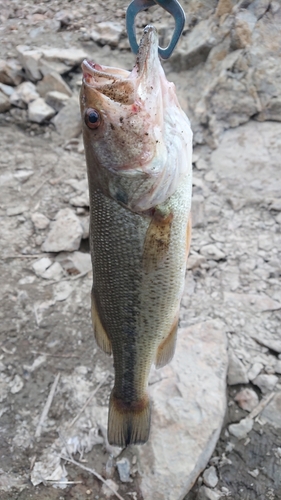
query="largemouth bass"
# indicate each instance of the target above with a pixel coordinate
(138, 146)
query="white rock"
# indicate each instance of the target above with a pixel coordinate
(272, 412)
(7, 89)
(39, 111)
(24, 94)
(188, 410)
(19, 209)
(212, 252)
(41, 265)
(265, 382)
(247, 399)
(237, 373)
(77, 263)
(68, 120)
(123, 467)
(53, 82)
(39, 220)
(16, 384)
(80, 201)
(29, 59)
(54, 272)
(71, 56)
(10, 72)
(65, 234)
(241, 429)
(195, 260)
(107, 33)
(210, 477)
(106, 491)
(23, 175)
(36, 363)
(85, 221)
(255, 369)
(4, 103)
(56, 100)
(201, 164)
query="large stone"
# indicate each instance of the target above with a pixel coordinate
(4, 103)
(189, 402)
(237, 373)
(66, 233)
(39, 111)
(242, 166)
(10, 72)
(57, 100)
(29, 59)
(107, 33)
(53, 82)
(24, 94)
(68, 120)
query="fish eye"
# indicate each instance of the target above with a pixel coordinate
(92, 118)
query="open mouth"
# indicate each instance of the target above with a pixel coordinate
(96, 75)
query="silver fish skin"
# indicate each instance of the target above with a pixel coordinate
(138, 146)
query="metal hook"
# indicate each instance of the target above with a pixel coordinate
(171, 6)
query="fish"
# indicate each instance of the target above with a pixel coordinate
(138, 148)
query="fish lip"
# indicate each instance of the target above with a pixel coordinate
(94, 75)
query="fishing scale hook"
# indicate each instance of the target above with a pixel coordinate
(171, 6)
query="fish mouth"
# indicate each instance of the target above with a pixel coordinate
(118, 84)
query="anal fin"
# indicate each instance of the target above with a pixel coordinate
(166, 349)
(100, 333)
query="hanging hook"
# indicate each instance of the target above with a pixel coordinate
(171, 6)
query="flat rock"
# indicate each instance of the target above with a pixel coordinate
(241, 429)
(243, 167)
(107, 33)
(205, 493)
(10, 72)
(212, 252)
(189, 402)
(68, 120)
(24, 94)
(29, 58)
(57, 100)
(210, 477)
(65, 234)
(237, 373)
(53, 82)
(265, 382)
(39, 111)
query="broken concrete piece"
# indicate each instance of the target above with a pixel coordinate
(39, 111)
(65, 234)
(188, 409)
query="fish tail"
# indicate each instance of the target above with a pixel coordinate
(128, 423)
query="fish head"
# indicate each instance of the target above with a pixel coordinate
(125, 117)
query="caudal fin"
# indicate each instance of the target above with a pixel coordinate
(128, 423)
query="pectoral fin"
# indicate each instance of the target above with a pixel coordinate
(166, 349)
(100, 333)
(157, 241)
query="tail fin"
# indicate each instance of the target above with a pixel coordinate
(128, 423)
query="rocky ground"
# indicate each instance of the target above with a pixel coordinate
(227, 72)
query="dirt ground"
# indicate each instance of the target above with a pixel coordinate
(42, 334)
